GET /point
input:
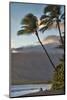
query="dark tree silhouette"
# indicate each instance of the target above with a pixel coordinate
(52, 14)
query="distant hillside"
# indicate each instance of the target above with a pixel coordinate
(50, 43)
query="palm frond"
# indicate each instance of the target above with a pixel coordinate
(43, 17)
(21, 32)
(43, 22)
(29, 24)
(53, 10)
(48, 24)
(28, 19)
(43, 29)
(63, 16)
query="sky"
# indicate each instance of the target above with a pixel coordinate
(17, 13)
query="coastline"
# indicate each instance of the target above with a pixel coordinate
(43, 93)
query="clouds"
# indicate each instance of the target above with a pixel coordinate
(18, 11)
(13, 44)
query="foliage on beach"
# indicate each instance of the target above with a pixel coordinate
(58, 80)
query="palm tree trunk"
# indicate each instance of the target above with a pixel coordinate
(59, 31)
(45, 50)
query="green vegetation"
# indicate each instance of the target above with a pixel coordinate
(58, 80)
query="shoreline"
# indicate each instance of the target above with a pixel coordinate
(43, 93)
(30, 82)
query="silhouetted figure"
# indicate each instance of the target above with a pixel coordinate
(41, 89)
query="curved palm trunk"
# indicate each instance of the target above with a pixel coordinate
(45, 50)
(59, 31)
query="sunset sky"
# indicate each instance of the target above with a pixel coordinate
(17, 12)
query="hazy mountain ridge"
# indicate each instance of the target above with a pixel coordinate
(50, 43)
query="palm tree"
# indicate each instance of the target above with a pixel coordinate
(52, 15)
(30, 25)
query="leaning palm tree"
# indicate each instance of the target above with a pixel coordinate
(30, 25)
(52, 15)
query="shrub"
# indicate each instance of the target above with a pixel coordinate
(58, 79)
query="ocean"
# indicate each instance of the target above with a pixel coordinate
(20, 90)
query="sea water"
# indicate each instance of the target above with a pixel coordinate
(20, 90)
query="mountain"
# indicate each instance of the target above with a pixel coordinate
(50, 43)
